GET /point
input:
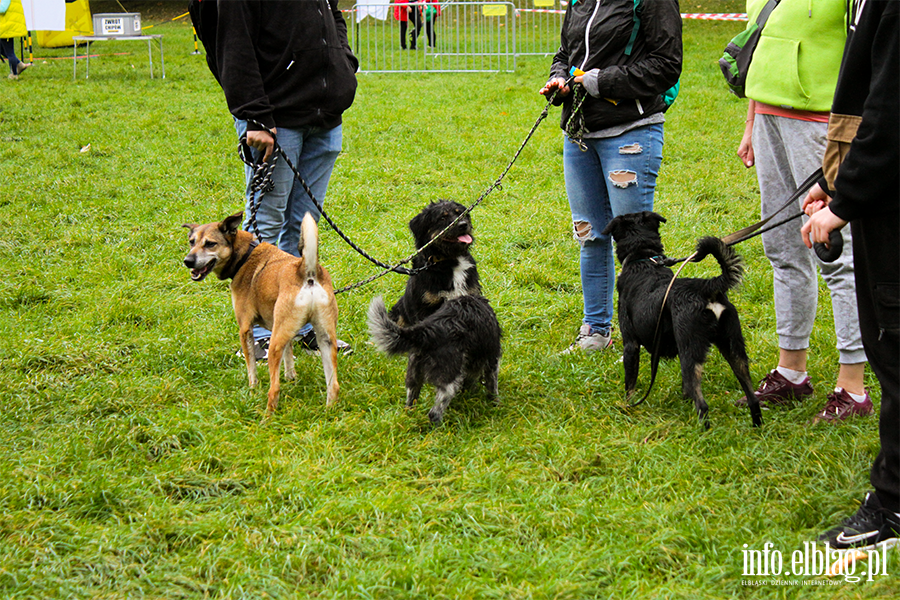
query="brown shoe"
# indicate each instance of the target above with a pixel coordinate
(841, 406)
(775, 390)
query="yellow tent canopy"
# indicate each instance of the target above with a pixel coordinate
(78, 22)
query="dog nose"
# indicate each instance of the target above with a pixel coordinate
(189, 261)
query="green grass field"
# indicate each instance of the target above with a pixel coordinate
(132, 458)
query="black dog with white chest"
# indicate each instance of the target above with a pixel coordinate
(697, 313)
(442, 321)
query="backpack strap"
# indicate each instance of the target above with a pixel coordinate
(634, 30)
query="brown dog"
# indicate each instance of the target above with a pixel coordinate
(274, 289)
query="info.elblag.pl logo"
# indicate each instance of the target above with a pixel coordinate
(815, 560)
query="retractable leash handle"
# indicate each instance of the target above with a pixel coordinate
(830, 252)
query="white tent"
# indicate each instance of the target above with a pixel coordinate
(45, 15)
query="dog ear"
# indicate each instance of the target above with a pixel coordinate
(231, 224)
(191, 226)
(613, 227)
(658, 218)
(415, 222)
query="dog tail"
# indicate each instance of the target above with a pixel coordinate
(392, 339)
(731, 262)
(309, 247)
(386, 334)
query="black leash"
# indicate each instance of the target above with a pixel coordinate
(261, 182)
(265, 174)
(828, 253)
(654, 356)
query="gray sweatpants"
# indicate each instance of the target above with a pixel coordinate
(787, 151)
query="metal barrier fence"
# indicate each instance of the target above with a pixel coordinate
(538, 24)
(464, 37)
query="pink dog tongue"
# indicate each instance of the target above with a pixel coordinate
(465, 239)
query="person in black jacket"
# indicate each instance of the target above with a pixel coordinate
(864, 190)
(630, 55)
(286, 69)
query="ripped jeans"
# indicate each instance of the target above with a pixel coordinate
(615, 176)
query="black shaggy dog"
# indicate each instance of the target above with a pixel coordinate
(442, 321)
(696, 315)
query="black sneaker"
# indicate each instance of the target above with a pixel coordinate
(311, 346)
(260, 349)
(872, 527)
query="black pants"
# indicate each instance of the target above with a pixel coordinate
(415, 19)
(403, 25)
(877, 266)
(8, 51)
(429, 31)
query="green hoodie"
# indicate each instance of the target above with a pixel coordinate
(796, 63)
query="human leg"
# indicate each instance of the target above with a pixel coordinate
(839, 276)
(589, 206)
(403, 25)
(877, 273)
(614, 176)
(793, 270)
(415, 27)
(878, 287)
(430, 32)
(8, 49)
(270, 214)
(787, 151)
(798, 146)
(318, 151)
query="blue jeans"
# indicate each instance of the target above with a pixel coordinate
(313, 151)
(615, 176)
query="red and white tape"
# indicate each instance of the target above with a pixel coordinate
(697, 16)
(715, 16)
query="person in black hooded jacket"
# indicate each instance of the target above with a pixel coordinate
(862, 186)
(625, 56)
(286, 69)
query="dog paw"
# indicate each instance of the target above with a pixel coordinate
(435, 416)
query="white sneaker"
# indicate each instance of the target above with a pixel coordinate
(21, 67)
(589, 342)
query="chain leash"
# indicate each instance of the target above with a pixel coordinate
(260, 184)
(575, 128)
(265, 180)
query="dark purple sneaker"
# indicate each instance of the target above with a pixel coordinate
(841, 406)
(775, 390)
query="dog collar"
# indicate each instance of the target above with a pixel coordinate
(659, 259)
(236, 266)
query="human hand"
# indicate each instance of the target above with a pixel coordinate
(819, 227)
(557, 83)
(745, 149)
(262, 141)
(816, 199)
